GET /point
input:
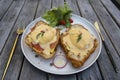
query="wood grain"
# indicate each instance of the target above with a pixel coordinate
(29, 72)
(26, 15)
(113, 11)
(106, 68)
(86, 9)
(73, 6)
(110, 43)
(56, 3)
(108, 23)
(43, 7)
(32, 73)
(4, 6)
(5, 28)
(65, 77)
(9, 19)
(91, 73)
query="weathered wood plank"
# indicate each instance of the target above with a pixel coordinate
(112, 9)
(91, 73)
(5, 27)
(43, 7)
(88, 13)
(107, 70)
(16, 62)
(109, 25)
(29, 72)
(35, 74)
(73, 6)
(59, 77)
(8, 21)
(26, 16)
(4, 6)
(56, 3)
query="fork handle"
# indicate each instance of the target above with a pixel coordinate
(10, 57)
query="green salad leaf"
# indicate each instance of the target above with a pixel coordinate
(55, 15)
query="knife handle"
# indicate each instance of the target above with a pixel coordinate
(102, 37)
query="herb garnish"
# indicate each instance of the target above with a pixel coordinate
(40, 34)
(79, 37)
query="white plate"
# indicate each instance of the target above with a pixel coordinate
(44, 65)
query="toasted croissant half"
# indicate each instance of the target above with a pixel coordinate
(78, 44)
(43, 39)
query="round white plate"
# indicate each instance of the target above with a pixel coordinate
(44, 64)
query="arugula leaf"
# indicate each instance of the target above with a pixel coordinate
(39, 34)
(79, 37)
(42, 34)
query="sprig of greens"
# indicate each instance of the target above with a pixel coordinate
(55, 15)
(40, 34)
(79, 37)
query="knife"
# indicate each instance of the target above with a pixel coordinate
(105, 45)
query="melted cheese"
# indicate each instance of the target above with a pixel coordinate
(84, 41)
(46, 46)
(82, 47)
(44, 41)
(47, 36)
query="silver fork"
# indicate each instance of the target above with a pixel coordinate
(19, 32)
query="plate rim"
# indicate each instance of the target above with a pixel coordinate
(29, 60)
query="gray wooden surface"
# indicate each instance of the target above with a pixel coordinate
(19, 13)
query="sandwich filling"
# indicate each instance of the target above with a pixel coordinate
(44, 36)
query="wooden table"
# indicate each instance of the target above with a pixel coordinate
(19, 13)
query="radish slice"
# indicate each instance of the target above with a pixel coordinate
(60, 61)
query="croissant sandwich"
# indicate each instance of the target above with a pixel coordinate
(43, 39)
(78, 44)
